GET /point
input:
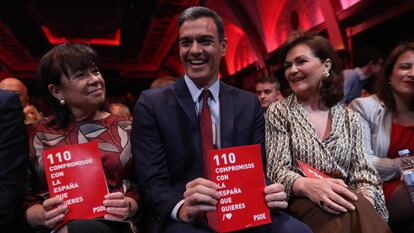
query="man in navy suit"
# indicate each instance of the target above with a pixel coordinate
(13, 158)
(166, 138)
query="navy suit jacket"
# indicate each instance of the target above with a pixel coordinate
(166, 139)
(13, 159)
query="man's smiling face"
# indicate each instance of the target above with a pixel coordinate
(201, 50)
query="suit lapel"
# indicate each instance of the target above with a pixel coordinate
(189, 123)
(226, 115)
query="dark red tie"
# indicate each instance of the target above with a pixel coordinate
(206, 130)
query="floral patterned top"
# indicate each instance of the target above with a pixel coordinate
(290, 136)
(113, 137)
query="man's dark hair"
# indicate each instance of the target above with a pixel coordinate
(196, 12)
(268, 79)
(332, 86)
(367, 54)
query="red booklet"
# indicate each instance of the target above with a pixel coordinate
(311, 172)
(75, 173)
(238, 171)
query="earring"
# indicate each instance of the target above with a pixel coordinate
(62, 102)
(325, 74)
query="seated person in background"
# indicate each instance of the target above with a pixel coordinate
(368, 61)
(311, 126)
(267, 90)
(16, 86)
(162, 82)
(13, 158)
(388, 120)
(75, 91)
(120, 109)
(32, 115)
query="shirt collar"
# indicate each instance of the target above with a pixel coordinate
(196, 91)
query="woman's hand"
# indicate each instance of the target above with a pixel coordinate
(49, 214)
(119, 207)
(332, 195)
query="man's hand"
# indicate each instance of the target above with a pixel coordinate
(275, 196)
(200, 196)
(117, 207)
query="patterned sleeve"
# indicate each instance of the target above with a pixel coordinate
(362, 175)
(127, 171)
(279, 156)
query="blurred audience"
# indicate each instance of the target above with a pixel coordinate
(162, 82)
(120, 109)
(267, 90)
(16, 86)
(368, 63)
(32, 115)
(388, 121)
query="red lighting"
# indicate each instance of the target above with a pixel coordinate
(239, 50)
(115, 41)
(348, 3)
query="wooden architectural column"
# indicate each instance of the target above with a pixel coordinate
(332, 25)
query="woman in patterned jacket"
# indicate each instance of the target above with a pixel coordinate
(311, 128)
(74, 90)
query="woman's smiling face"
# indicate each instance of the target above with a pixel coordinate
(304, 71)
(402, 76)
(83, 89)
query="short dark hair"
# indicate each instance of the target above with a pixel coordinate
(365, 55)
(268, 79)
(196, 12)
(384, 90)
(63, 60)
(332, 86)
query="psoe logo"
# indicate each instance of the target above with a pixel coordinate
(258, 217)
(98, 209)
